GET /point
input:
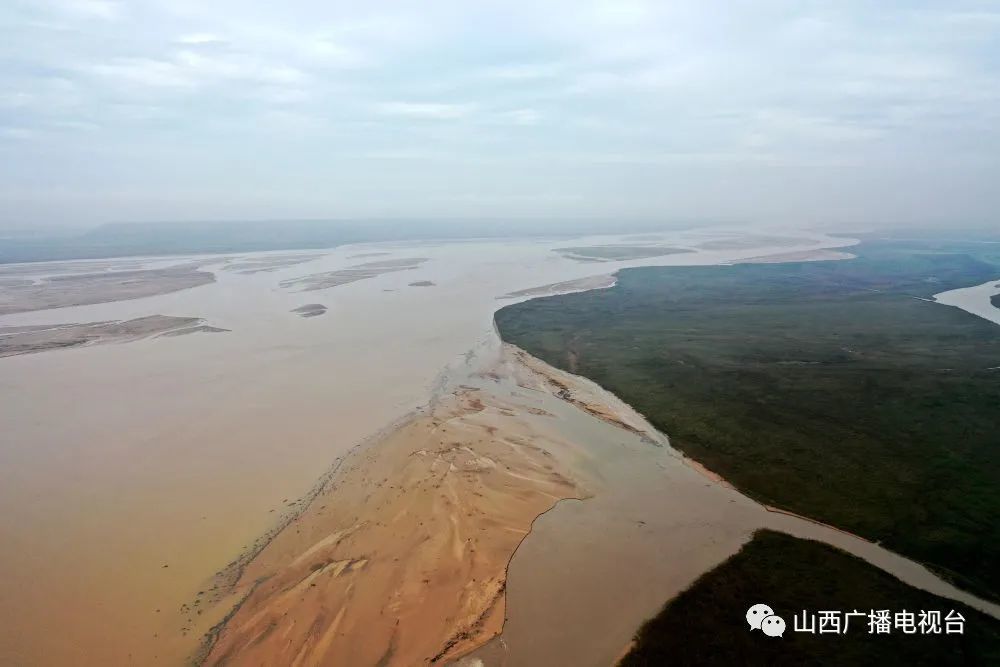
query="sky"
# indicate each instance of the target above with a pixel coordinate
(761, 111)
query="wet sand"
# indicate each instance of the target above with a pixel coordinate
(615, 252)
(567, 287)
(268, 264)
(61, 291)
(310, 310)
(806, 256)
(35, 339)
(401, 559)
(747, 241)
(365, 271)
(130, 474)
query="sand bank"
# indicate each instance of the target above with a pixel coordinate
(401, 558)
(60, 291)
(33, 339)
(821, 255)
(618, 252)
(565, 287)
(310, 310)
(365, 271)
(268, 263)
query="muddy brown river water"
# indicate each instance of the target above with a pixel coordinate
(131, 473)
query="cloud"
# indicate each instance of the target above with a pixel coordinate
(15, 99)
(188, 69)
(101, 9)
(521, 116)
(200, 39)
(425, 110)
(525, 71)
(17, 133)
(143, 72)
(588, 93)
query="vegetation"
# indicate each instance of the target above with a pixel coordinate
(705, 625)
(833, 389)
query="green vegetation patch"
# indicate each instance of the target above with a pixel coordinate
(705, 625)
(834, 389)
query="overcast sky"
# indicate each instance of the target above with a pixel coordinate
(758, 110)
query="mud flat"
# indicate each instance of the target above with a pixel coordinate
(310, 310)
(615, 252)
(72, 266)
(368, 254)
(736, 242)
(267, 264)
(821, 255)
(365, 271)
(565, 287)
(33, 339)
(60, 291)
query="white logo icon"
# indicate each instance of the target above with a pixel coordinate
(758, 613)
(773, 626)
(761, 617)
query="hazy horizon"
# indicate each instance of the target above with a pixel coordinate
(763, 112)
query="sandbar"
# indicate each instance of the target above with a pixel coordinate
(42, 338)
(310, 310)
(401, 558)
(318, 281)
(60, 291)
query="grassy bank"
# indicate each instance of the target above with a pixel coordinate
(705, 624)
(833, 389)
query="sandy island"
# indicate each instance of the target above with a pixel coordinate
(41, 338)
(565, 287)
(318, 281)
(310, 310)
(60, 291)
(401, 558)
